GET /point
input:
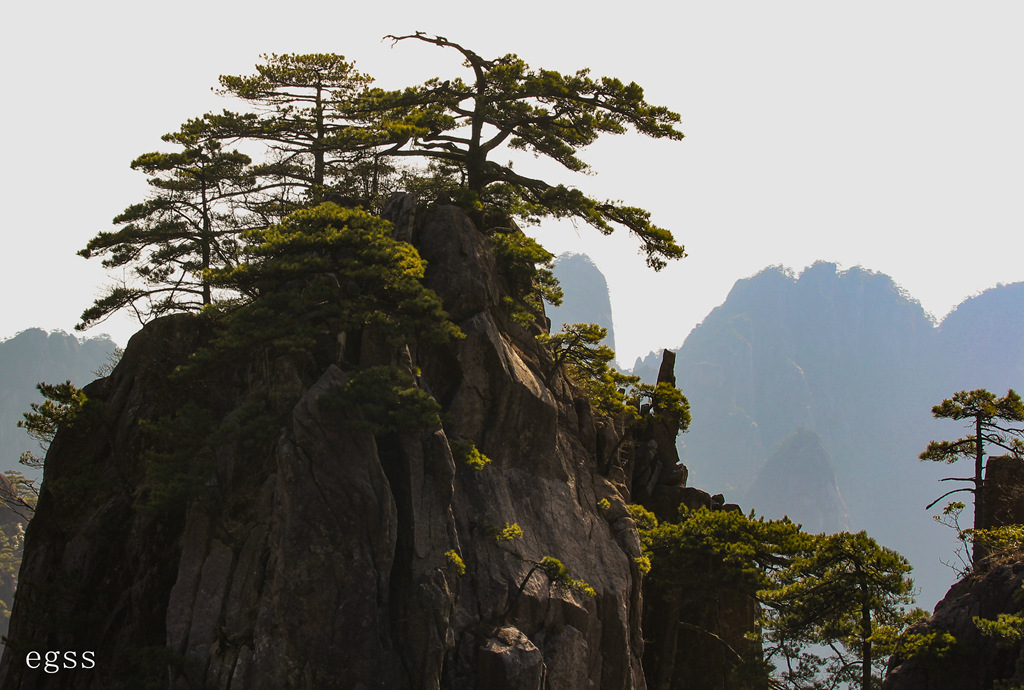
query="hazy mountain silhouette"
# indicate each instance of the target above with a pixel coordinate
(799, 481)
(586, 295)
(33, 356)
(981, 342)
(852, 357)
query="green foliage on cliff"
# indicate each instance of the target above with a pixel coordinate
(456, 562)
(997, 543)
(323, 271)
(528, 267)
(667, 404)
(466, 452)
(320, 281)
(179, 458)
(510, 531)
(388, 401)
(1008, 631)
(706, 550)
(841, 592)
(578, 350)
(559, 574)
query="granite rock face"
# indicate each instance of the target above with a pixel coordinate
(995, 588)
(328, 556)
(976, 661)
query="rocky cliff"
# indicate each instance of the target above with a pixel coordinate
(306, 549)
(950, 650)
(971, 660)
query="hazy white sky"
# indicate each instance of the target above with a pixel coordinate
(884, 134)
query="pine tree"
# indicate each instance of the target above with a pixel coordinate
(461, 125)
(189, 225)
(987, 417)
(838, 594)
(303, 110)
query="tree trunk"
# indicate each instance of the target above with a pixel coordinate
(318, 147)
(865, 631)
(979, 494)
(206, 244)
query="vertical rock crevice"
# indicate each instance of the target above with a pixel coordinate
(327, 556)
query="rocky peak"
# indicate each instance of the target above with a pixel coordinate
(799, 481)
(313, 551)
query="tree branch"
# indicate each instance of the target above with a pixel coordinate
(948, 493)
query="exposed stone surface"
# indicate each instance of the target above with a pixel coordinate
(1004, 492)
(977, 661)
(323, 558)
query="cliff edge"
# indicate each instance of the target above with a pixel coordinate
(320, 553)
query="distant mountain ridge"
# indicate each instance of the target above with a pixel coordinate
(33, 356)
(851, 357)
(586, 297)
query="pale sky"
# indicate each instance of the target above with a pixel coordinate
(882, 134)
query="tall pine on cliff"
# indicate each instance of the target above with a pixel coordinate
(327, 134)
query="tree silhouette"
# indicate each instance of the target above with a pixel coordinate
(987, 417)
(463, 124)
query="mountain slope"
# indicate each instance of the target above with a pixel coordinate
(851, 357)
(798, 481)
(586, 295)
(34, 356)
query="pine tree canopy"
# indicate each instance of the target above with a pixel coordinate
(462, 124)
(189, 224)
(327, 134)
(304, 107)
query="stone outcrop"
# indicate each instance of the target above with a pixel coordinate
(1004, 492)
(316, 554)
(996, 588)
(975, 661)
